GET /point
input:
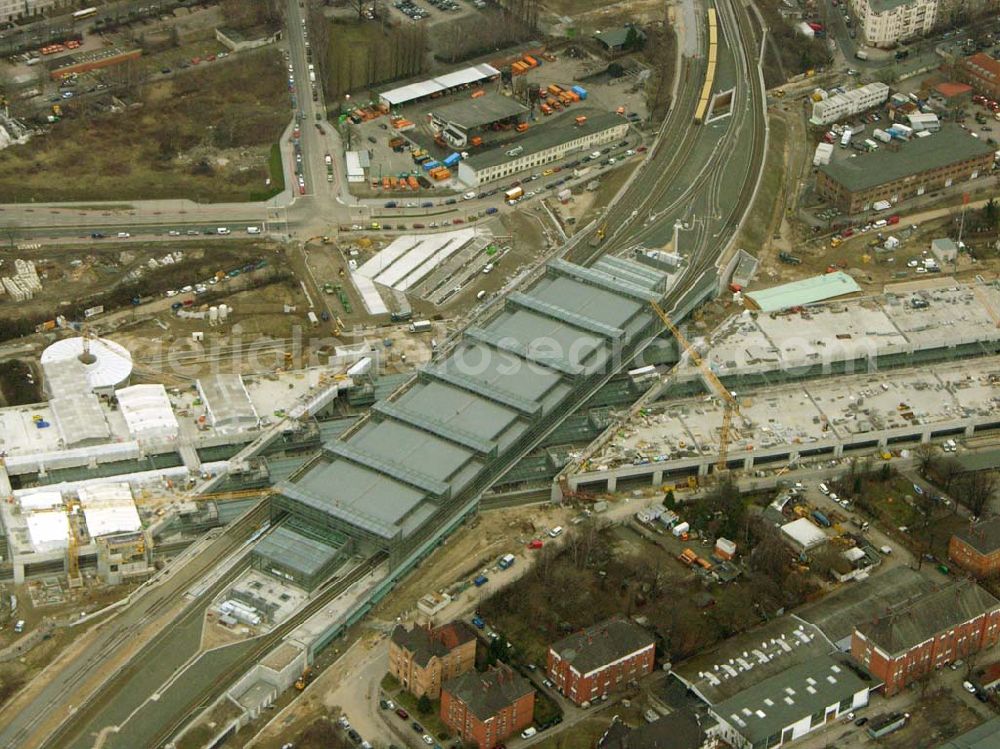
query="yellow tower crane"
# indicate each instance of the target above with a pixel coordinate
(730, 405)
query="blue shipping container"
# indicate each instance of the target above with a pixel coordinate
(452, 159)
(428, 165)
(580, 91)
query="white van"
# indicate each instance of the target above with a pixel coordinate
(222, 230)
(556, 531)
(19, 626)
(253, 230)
(123, 235)
(481, 295)
(824, 488)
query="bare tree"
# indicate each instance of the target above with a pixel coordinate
(975, 490)
(926, 454)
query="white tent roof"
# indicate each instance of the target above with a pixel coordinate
(109, 508)
(421, 89)
(112, 363)
(49, 530)
(804, 533)
(147, 412)
(41, 501)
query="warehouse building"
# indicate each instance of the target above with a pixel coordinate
(854, 183)
(982, 72)
(774, 684)
(849, 103)
(540, 146)
(888, 22)
(456, 121)
(913, 639)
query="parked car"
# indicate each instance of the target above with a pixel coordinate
(402, 713)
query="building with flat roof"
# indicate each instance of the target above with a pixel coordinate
(855, 181)
(424, 658)
(792, 703)
(977, 548)
(293, 555)
(541, 145)
(888, 22)
(982, 72)
(486, 709)
(455, 121)
(607, 656)
(841, 106)
(800, 293)
(904, 643)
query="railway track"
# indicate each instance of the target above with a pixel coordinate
(265, 643)
(160, 597)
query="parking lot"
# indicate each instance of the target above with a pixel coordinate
(435, 10)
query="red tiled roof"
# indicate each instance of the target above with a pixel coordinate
(949, 89)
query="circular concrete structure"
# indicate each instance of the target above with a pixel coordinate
(108, 365)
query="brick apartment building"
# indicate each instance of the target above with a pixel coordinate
(982, 72)
(900, 171)
(487, 708)
(977, 548)
(590, 664)
(932, 630)
(422, 658)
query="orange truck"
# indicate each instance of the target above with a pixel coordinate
(521, 127)
(531, 61)
(554, 89)
(546, 109)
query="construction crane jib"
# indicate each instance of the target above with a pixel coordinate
(731, 406)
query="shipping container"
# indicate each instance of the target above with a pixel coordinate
(313, 319)
(420, 326)
(820, 518)
(580, 91)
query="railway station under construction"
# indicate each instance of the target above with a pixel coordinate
(406, 474)
(852, 378)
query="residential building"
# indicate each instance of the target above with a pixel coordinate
(982, 72)
(681, 729)
(543, 145)
(913, 639)
(12, 10)
(791, 703)
(485, 709)
(590, 664)
(423, 658)
(841, 106)
(888, 22)
(853, 183)
(977, 547)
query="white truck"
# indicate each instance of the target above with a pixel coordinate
(420, 326)
(313, 319)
